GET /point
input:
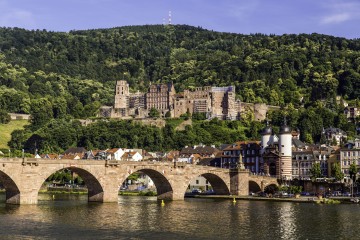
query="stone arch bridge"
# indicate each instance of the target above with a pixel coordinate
(23, 178)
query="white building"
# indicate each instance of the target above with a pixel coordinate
(115, 154)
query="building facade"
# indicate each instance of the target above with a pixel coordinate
(349, 155)
(248, 152)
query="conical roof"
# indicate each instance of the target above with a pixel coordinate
(267, 130)
(285, 128)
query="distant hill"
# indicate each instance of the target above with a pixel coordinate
(264, 68)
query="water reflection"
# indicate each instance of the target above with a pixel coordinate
(287, 221)
(71, 216)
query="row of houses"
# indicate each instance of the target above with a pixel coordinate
(77, 153)
(259, 157)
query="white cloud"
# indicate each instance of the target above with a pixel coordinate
(340, 11)
(15, 17)
(335, 18)
(243, 9)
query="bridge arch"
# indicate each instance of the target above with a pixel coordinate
(217, 183)
(220, 184)
(254, 187)
(163, 186)
(95, 189)
(271, 188)
(12, 193)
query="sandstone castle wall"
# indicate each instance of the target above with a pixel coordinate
(214, 102)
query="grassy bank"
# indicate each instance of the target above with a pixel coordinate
(63, 192)
(137, 193)
(7, 129)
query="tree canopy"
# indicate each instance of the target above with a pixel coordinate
(68, 75)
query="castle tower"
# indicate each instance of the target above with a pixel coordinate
(230, 108)
(265, 137)
(121, 95)
(121, 98)
(285, 152)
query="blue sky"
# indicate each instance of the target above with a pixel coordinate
(332, 17)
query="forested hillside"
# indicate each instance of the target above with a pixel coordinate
(57, 75)
(272, 69)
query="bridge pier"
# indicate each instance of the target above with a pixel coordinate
(12, 198)
(108, 196)
(239, 182)
(30, 197)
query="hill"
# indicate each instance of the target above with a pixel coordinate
(59, 76)
(273, 69)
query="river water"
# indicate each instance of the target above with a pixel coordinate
(72, 217)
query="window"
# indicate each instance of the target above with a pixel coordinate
(197, 181)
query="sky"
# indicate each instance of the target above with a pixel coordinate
(332, 17)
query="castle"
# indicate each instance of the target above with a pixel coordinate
(213, 102)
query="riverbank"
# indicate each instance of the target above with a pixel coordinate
(295, 200)
(63, 192)
(137, 193)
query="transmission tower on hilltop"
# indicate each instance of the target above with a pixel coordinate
(169, 19)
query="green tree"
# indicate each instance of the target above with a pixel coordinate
(353, 170)
(4, 117)
(18, 138)
(154, 113)
(336, 172)
(59, 107)
(167, 114)
(41, 112)
(315, 171)
(295, 189)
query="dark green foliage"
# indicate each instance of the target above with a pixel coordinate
(55, 75)
(18, 138)
(4, 116)
(336, 172)
(59, 134)
(154, 113)
(295, 189)
(41, 112)
(63, 176)
(315, 171)
(199, 116)
(353, 171)
(272, 69)
(168, 114)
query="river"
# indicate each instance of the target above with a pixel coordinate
(72, 217)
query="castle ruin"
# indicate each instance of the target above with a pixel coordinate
(214, 102)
